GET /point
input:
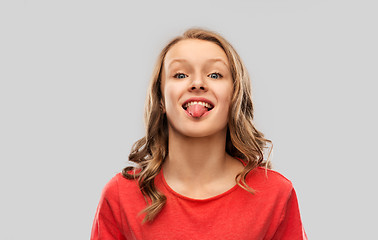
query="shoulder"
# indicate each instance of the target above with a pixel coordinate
(123, 193)
(117, 184)
(111, 187)
(268, 180)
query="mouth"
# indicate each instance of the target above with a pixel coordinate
(197, 108)
(206, 105)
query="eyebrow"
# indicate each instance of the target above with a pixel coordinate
(209, 60)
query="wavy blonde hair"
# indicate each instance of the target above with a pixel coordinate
(243, 140)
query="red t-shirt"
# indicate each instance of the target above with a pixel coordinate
(271, 213)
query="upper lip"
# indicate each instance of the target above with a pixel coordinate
(198, 99)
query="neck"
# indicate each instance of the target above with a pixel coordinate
(198, 159)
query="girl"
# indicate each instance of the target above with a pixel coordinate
(200, 172)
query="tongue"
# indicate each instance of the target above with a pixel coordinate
(196, 110)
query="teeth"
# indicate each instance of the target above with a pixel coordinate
(195, 102)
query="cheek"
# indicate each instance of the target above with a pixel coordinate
(225, 100)
(225, 94)
(171, 96)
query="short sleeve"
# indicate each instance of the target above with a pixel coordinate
(291, 227)
(107, 223)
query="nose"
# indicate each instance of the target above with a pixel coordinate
(198, 84)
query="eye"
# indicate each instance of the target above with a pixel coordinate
(180, 75)
(215, 75)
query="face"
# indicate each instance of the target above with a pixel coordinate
(197, 87)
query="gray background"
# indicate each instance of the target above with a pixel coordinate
(74, 75)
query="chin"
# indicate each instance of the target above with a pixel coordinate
(199, 129)
(196, 134)
(199, 132)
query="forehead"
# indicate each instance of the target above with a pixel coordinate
(195, 51)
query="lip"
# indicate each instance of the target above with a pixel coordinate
(198, 99)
